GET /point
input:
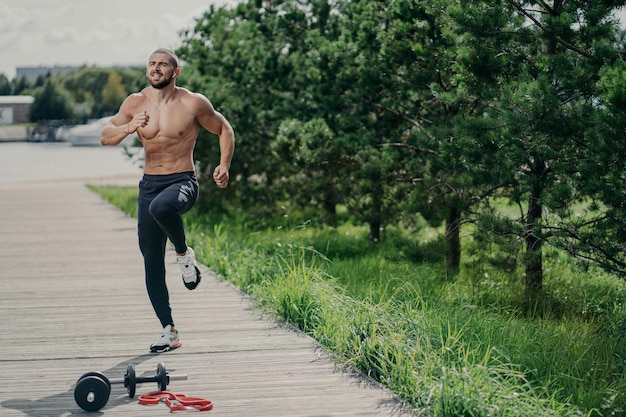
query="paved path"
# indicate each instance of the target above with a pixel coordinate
(72, 300)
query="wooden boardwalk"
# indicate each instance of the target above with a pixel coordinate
(72, 300)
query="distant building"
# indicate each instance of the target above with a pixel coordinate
(14, 109)
(32, 73)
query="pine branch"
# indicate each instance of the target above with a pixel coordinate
(560, 40)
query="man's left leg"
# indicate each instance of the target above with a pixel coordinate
(167, 210)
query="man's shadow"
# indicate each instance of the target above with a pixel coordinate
(60, 404)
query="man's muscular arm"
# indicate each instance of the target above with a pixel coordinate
(122, 124)
(216, 123)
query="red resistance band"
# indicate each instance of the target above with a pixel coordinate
(176, 402)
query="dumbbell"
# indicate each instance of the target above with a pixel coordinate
(93, 389)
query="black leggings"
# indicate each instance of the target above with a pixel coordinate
(162, 201)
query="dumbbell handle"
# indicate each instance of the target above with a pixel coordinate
(140, 380)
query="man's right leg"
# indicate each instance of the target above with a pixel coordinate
(152, 242)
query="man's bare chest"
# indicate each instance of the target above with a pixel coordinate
(168, 122)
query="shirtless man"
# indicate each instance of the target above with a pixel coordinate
(167, 120)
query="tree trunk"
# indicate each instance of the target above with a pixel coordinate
(375, 217)
(374, 235)
(330, 209)
(453, 239)
(534, 243)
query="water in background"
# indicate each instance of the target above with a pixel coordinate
(29, 161)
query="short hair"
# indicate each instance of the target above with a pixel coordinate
(171, 55)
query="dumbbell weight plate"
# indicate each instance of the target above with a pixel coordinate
(92, 391)
(130, 381)
(161, 377)
(99, 375)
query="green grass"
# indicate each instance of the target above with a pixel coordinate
(472, 346)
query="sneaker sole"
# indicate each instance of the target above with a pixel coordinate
(165, 348)
(193, 285)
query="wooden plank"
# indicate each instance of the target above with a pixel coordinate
(72, 300)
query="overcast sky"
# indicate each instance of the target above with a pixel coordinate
(78, 32)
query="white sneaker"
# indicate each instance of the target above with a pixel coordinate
(168, 341)
(189, 268)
